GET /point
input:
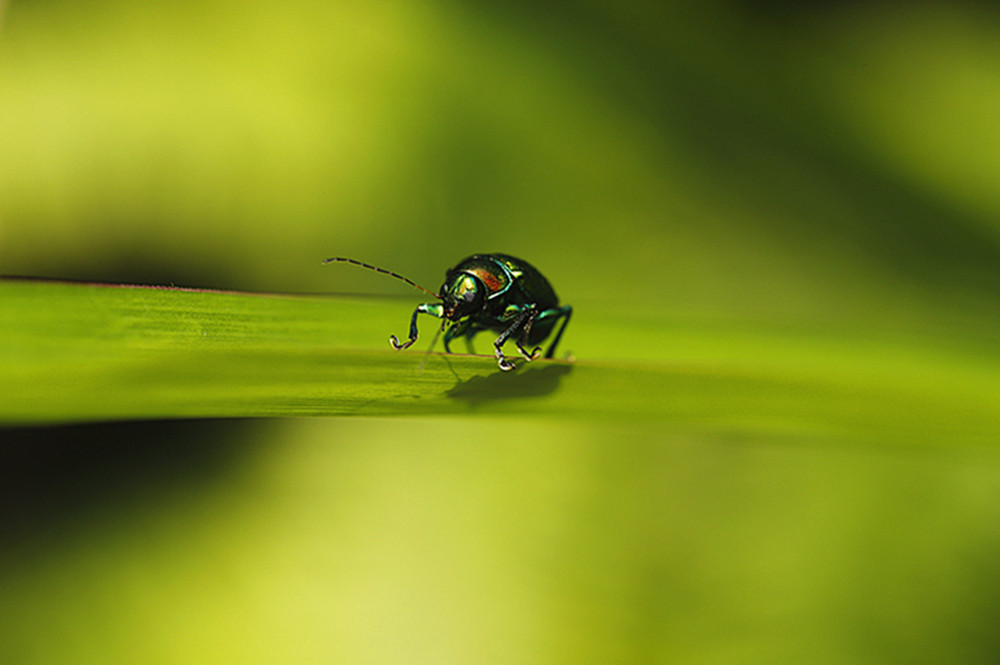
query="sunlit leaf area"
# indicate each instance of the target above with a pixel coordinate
(770, 433)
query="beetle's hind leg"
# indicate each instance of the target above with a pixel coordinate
(564, 313)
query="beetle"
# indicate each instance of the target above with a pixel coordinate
(495, 292)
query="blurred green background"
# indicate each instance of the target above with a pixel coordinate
(745, 166)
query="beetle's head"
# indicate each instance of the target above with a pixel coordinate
(462, 295)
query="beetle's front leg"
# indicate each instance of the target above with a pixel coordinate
(456, 330)
(434, 309)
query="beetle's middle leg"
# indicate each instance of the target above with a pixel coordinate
(524, 318)
(522, 339)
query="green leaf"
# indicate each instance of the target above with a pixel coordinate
(79, 352)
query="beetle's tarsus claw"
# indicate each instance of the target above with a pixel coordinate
(505, 364)
(535, 354)
(396, 345)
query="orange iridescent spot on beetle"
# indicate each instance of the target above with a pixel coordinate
(493, 281)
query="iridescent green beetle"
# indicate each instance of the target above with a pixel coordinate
(490, 292)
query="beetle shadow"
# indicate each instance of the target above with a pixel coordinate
(499, 386)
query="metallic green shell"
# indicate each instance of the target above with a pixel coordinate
(509, 279)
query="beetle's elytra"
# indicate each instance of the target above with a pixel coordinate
(495, 292)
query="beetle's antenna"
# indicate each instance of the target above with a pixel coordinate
(344, 259)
